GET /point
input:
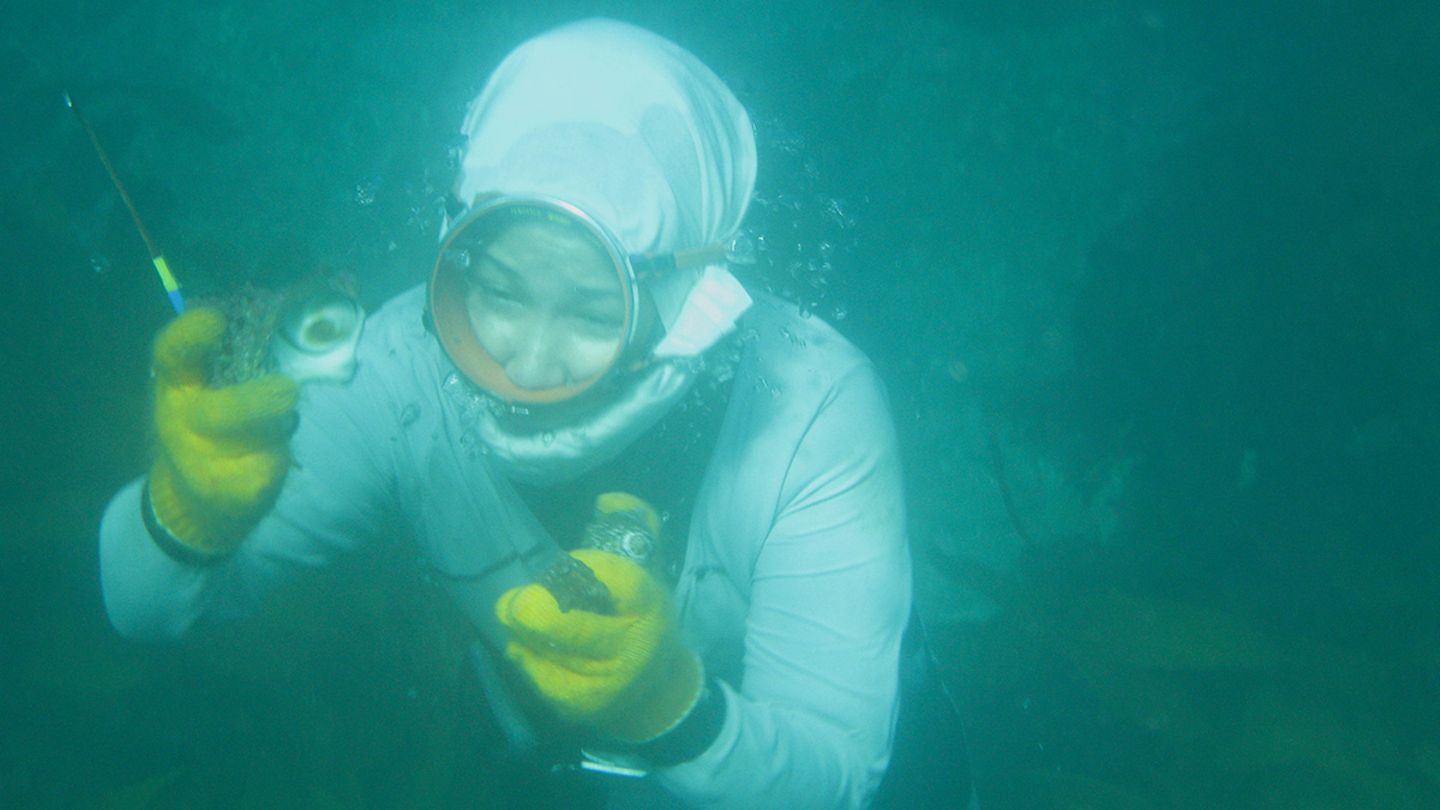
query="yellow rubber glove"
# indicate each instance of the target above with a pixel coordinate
(222, 453)
(626, 674)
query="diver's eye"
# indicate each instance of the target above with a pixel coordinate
(601, 321)
(498, 293)
(492, 291)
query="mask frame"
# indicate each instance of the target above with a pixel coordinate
(449, 287)
(491, 211)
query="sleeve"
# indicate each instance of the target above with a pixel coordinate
(811, 724)
(337, 494)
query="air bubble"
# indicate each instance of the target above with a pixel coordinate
(458, 256)
(366, 190)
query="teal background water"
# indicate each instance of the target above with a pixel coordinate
(1153, 286)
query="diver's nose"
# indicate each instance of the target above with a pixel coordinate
(535, 361)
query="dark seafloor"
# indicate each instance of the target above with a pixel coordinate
(1154, 287)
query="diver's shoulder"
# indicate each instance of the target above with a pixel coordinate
(782, 330)
(395, 334)
(399, 320)
(406, 307)
(785, 349)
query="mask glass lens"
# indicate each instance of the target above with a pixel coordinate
(542, 296)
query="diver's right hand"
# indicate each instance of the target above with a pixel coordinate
(221, 453)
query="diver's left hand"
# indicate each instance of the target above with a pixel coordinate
(625, 675)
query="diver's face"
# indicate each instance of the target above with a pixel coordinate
(545, 302)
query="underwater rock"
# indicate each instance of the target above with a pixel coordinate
(1111, 630)
(139, 795)
(1078, 791)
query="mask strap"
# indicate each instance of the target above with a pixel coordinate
(649, 265)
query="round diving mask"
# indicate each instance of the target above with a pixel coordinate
(536, 301)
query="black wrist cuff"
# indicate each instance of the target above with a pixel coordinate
(692, 736)
(173, 547)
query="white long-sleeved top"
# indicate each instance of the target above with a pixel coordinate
(796, 560)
